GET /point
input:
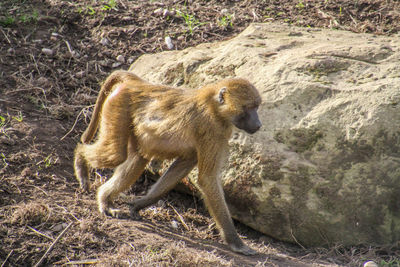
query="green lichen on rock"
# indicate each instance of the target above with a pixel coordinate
(299, 140)
(241, 176)
(325, 66)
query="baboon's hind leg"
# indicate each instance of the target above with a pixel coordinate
(110, 148)
(124, 176)
(81, 169)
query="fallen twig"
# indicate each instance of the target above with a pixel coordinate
(180, 218)
(52, 245)
(78, 262)
(295, 239)
(69, 47)
(4, 262)
(5, 35)
(39, 233)
(76, 121)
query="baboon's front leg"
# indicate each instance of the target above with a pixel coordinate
(215, 201)
(176, 172)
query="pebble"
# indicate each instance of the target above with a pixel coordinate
(42, 81)
(116, 64)
(224, 11)
(80, 74)
(104, 41)
(174, 224)
(370, 264)
(75, 54)
(26, 172)
(121, 59)
(169, 43)
(161, 203)
(130, 60)
(47, 51)
(167, 13)
(158, 11)
(11, 50)
(103, 63)
(59, 227)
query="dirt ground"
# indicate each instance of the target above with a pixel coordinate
(53, 56)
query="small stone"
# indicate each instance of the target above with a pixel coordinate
(130, 60)
(181, 38)
(169, 43)
(75, 54)
(161, 203)
(42, 81)
(370, 264)
(26, 172)
(158, 11)
(11, 50)
(103, 63)
(224, 11)
(104, 41)
(121, 59)
(116, 64)
(59, 227)
(47, 51)
(174, 224)
(86, 225)
(80, 74)
(167, 13)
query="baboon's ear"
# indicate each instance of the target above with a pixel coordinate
(221, 94)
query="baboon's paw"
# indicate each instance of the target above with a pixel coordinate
(111, 212)
(84, 187)
(134, 212)
(243, 249)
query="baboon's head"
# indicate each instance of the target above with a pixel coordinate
(239, 101)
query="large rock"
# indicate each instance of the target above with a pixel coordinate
(325, 167)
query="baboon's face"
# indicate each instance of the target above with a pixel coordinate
(248, 120)
(242, 100)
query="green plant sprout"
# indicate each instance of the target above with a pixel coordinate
(19, 117)
(3, 159)
(20, 18)
(111, 4)
(300, 5)
(2, 121)
(191, 21)
(47, 162)
(226, 21)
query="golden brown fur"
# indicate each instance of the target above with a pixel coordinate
(140, 121)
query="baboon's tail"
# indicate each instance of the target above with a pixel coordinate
(115, 77)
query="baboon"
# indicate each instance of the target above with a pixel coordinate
(140, 121)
